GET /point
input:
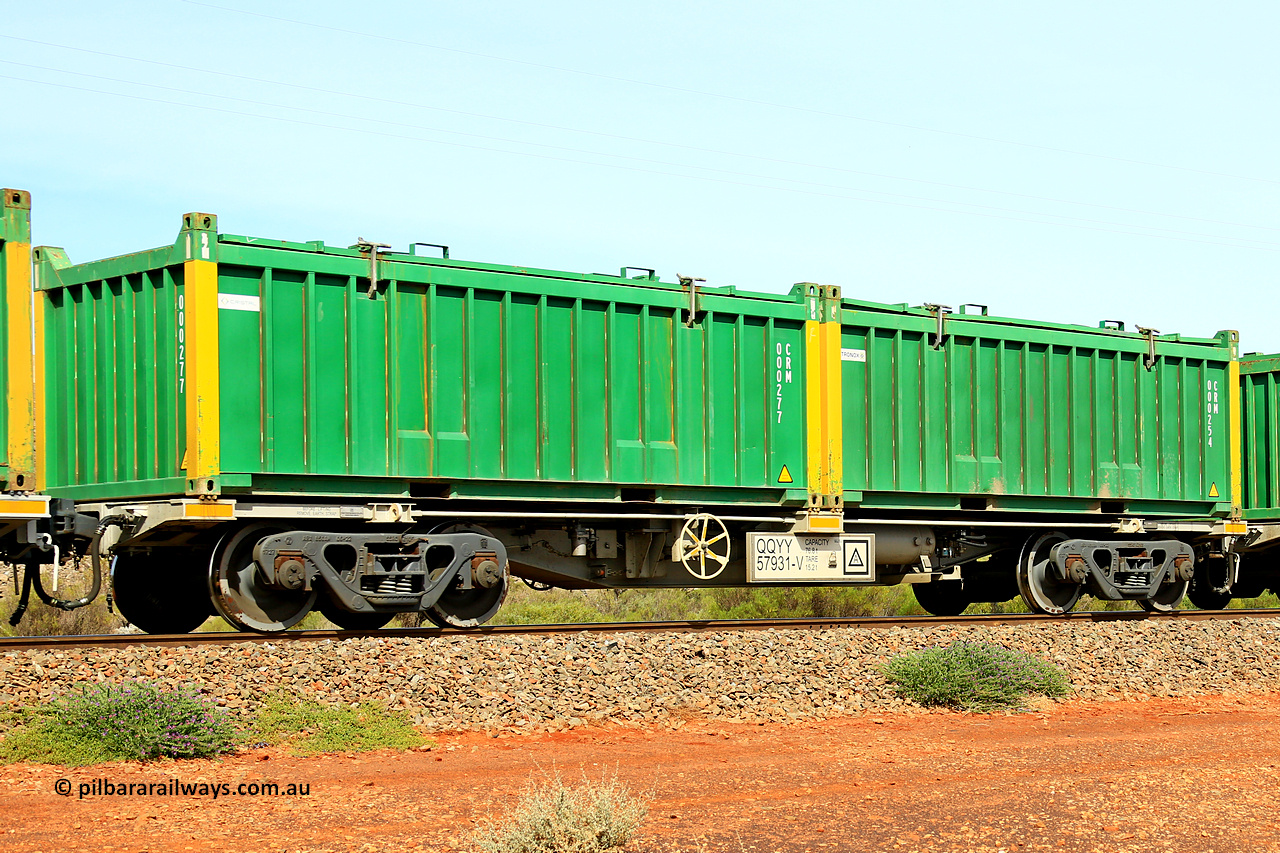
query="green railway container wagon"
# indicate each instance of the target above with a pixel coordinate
(264, 427)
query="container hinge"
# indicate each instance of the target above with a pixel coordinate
(1150, 361)
(941, 312)
(372, 248)
(691, 313)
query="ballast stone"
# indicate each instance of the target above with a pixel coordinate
(537, 683)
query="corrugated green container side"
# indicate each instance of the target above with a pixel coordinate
(1260, 405)
(114, 410)
(498, 381)
(1030, 416)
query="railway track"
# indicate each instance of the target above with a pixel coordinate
(874, 622)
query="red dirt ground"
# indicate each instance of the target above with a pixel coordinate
(1164, 775)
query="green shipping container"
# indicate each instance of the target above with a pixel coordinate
(1260, 406)
(448, 378)
(235, 365)
(1018, 415)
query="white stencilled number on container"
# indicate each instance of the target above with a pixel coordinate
(1210, 407)
(182, 345)
(781, 375)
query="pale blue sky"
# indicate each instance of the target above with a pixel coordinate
(1072, 162)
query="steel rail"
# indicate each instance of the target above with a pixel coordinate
(870, 622)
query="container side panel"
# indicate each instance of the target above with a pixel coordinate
(369, 370)
(1035, 435)
(986, 416)
(787, 418)
(241, 373)
(447, 394)
(661, 462)
(909, 398)
(328, 426)
(936, 439)
(592, 441)
(1004, 413)
(125, 317)
(520, 388)
(722, 398)
(1057, 380)
(557, 386)
(1147, 434)
(626, 400)
(409, 348)
(1104, 424)
(1260, 399)
(964, 376)
(1081, 418)
(857, 406)
(145, 440)
(114, 353)
(484, 388)
(285, 400)
(753, 371)
(690, 407)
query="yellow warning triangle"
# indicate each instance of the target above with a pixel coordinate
(785, 476)
(1213, 490)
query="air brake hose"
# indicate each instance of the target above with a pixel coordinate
(26, 595)
(95, 560)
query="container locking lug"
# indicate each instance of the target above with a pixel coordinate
(692, 283)
(372, 248)
(941, 312)
(1150, 361)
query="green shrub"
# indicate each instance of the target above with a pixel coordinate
(310, 727)
(553, 818)
(132, 721)
(973, 676)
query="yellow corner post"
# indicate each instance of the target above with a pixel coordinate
(198, 333)
(20, 354)
(1236, 430)
(824, 401)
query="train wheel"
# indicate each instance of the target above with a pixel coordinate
(161, 594)
(349, 621)
(239, 592)
(1167, 598)
(469, 608)
(941, 598)
(1210, 577)
(1207, 598)
(1040, 586)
